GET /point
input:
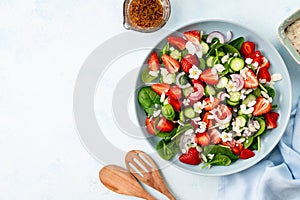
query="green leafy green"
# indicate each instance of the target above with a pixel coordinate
(218, 149)
(167, 150)
(237, 43)
(168, 112)
(148, 98)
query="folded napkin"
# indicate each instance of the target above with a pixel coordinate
(276, 177)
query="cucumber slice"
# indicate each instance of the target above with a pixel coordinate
(209, 90)
(187, 91)
(189, 113)
(248, 99)
(184, 52)
(205, 47)
(181, 116)
(222, 83)
(234, 96)
(237, 64)
(201, 63)
(210, 61)
(169, 78)
(175, 54)
(232, 103)
(243, 119)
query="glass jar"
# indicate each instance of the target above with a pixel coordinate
(146, 15)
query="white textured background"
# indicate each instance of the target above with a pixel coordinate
(43, 44)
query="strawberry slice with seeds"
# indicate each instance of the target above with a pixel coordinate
(150, 125)
(211, 103)
(214, 135)
(164, 125)
(193, 36)
(202, 139)
(262, 106)
(207, 120)
(265, 63)
(175, 92)
(271, 119)
(159, 88)
(209, 76)
(188, 61)
(250, 78)
(246, 153)
(177, 42)
(264, 74)
(175, 103)
(171, 64)
(192, 157)
(153, 62)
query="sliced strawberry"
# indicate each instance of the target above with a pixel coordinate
(246, 153)
(202, 139)
(153, 62)
(193, 36)
(251, 80)
(237, 149)
(171, 64)
(188, 61)
(177, 42)
(223, 111)
(211, 103)
(262, 106)
(205, 118)
(150, 125)
(209, 76)
(192, 157)
(247, 48)
(271, 119)
(265, 63)
(194, 81)
(256, 57)
(164, 125)
(214, 135)
(264, 74)
(175, 92)
(176, 104)
(159, 88)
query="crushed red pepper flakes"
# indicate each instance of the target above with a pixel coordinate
(146, 13)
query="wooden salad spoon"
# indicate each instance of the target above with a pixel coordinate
(145, 170)
(121, 181)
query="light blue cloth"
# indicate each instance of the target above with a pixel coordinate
(276, 177)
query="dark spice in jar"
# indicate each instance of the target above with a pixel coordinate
(146, 13)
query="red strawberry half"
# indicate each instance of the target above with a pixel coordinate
(159, 88)
(271, 119)
(188, 61)
(153, 62)
(164, 125)
(150, 125)
(264, 74)
(262, 106)
(177, 42)
(251, 80)
(193, 36)
(192, 157)
(171, 64)
(202, 139)
(209, 76)
(246, 153)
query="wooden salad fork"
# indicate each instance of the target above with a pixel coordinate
(145, 170)
(121, 181)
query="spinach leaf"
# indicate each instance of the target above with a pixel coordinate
(167, 135)
(146, 77)
(148, 98)
(237, 43)
(167, 150)
(168, 112)
(248, 142)
(262, 124)
(231, 49)
(220, 160)
(271, 91)
(217, 149)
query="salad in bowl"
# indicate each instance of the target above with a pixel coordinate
(209, 98)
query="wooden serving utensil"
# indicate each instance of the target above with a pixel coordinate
(121, 181)
(145, 170)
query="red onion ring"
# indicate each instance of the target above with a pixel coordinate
(238, 80)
